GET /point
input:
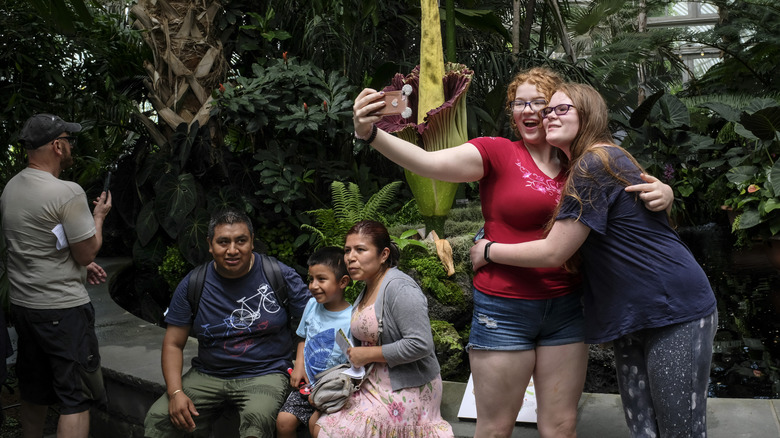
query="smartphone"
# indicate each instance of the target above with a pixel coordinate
(396, 102)
(107, 182)
(480, 234)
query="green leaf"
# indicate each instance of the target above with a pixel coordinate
(674, 113)
(764, 123)
(685, 190)
(481, 20)
(727, 112)
(749, 219)
(771, 205)
(642, 112)
(176, 198)
(146, 224)
(192, 240)
(150, 256)
(741, 174)
(713, 163)
(774, 177)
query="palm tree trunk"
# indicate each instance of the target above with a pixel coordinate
(188, 59)
(562, 31)
(528, 23)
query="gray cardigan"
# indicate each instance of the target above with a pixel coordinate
(406, 338)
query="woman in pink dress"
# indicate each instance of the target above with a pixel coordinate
(401, 396)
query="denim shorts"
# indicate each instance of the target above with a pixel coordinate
(514, 324)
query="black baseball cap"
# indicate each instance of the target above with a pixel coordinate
(43, 128)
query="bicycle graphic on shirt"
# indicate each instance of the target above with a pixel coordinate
(209, 338)
(243, 317)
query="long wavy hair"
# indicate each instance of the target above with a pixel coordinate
(593, 137)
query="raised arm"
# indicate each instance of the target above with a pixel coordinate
(457, 164)
(564, 239)
(84, 252)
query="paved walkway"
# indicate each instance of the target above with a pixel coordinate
(130, 346)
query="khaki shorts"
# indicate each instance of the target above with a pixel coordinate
(257, 400)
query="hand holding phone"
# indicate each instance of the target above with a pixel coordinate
(107, 182)
(396, 103)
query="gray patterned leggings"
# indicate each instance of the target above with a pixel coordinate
(663, 375)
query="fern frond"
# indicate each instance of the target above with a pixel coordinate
(346, 200)
(380, 200)
(319, 238)
(355, 203)
(332, 224)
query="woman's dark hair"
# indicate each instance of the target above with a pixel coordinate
(331, 257)
(379, 236)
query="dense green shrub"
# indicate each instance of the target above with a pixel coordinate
(449, 350)
(433, 278)
(173, 267)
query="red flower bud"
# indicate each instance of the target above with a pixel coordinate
(325, 105)
(284, 56)
(305, 107)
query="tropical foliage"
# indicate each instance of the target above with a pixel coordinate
(348, 208)
(201, 105)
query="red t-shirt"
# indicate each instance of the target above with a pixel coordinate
(517, 201)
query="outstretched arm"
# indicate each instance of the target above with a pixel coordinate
(564, 239)
(457, 164)
(656, 195)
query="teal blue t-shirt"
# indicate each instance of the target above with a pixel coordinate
(320, 327)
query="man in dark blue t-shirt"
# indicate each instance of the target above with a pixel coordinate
(244, 341)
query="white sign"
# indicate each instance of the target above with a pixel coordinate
(527, 414)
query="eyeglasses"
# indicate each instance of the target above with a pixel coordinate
(559, 110)
(71, 140)
(519, 105)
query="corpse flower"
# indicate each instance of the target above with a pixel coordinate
(442, 127)
(438, 103)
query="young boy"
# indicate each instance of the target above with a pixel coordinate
(326, 312)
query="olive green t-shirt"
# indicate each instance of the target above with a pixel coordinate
(41, 276)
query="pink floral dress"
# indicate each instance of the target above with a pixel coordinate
(375, 410)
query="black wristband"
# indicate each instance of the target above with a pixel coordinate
(487, 252)
(372, 137)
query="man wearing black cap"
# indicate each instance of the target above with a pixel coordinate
(51, 238)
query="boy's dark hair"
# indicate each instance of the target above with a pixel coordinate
(332, 257)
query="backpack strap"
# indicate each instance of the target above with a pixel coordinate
(273, 273)
(195, 287)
